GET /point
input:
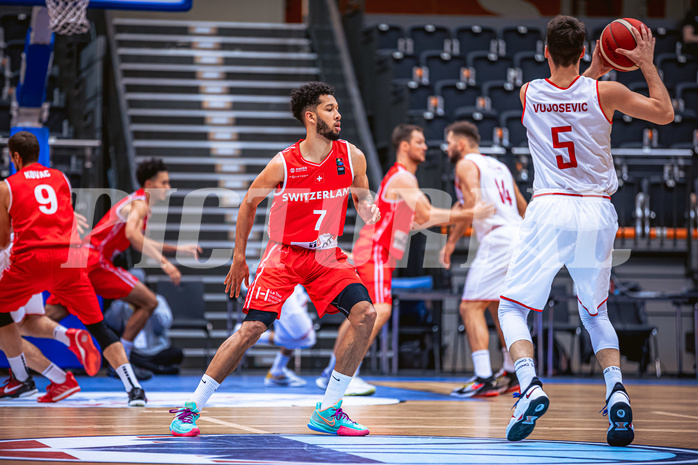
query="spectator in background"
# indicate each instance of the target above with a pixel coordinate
(152, 348)
(689, 28)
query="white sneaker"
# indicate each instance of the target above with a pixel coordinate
(620, 417)
(287, 379)
(532, 404)
(359, 387)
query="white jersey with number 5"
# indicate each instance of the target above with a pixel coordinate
(569, 137)
(497, 188)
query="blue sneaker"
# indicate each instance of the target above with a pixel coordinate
(184, 423)
(333, 420)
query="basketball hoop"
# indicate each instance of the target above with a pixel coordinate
(68, 17)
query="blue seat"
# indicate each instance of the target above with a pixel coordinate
(475, 38)
(489, 66)
(434, 129)
(687, 92)
(456, 94)
(677, 69)
(403, 65)
(442, 65)
(532, 65)
(521, 39)
(503, 95)
(388, 36)
(429, 37)
(418, 95)
(667, 40)
(511, 120)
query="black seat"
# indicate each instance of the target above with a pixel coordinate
(429, 37)
(485, 120)
(187, 304)
(442, 65)
(511, 120)
(456, 94)
(667, 40)
(559, 303)
(521, 39)
(434, 128)
(503, 95)
(403, 65)
(628, 132)
(489, 66)
(474, 38)
(678, 134)
(629, 318)
(677, 69)
(532, 65)
(687, 93)
(418, 95)
(388, 36)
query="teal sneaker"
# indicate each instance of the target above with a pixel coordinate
(333, 420)
(184, 423)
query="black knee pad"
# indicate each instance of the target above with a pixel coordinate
(350, 296)
(5, 320)
(268, 318)
(104, 335)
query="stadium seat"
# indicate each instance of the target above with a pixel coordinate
(521, 39)
(456, 94)
(489, 66)
(628, 77)
(442, 65)
(679, 134)
(511, 120)
(429, 37)
(485, 120)
(417, 95)
(15, 26)
(503, 95)
(628, 132)
(687, 93)
(667, 40)
(389, 37)
(532, 65)
(676, 69)
(434, 127)
(403, 65)
(475, 38)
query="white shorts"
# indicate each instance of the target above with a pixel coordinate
(35, 306)
(294, 328)
(486, 275)
(577, 232)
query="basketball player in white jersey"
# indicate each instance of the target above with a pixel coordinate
(480, 178)
(571, 220)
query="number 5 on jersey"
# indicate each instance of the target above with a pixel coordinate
(46, 196)
(564, 145)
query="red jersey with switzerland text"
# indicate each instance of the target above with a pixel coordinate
(41, 209)
(392, 230)
(109, 236)
(310, 206)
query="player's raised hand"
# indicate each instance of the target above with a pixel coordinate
(643, 53)
(172, 272)
(369, 212)
(238, 273)
(189, 250)
(599, 66)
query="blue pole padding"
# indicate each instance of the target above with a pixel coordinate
(42, 136)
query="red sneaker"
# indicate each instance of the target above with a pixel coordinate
(14, 388)
(84, 349)
(56, 392)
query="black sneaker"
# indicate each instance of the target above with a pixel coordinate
(136, 398)
(477, 387)
(14, 388)
(620, 417)
(141, 373)
(506, 381)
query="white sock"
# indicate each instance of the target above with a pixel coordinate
(508, 363)
(18, 365)
(207, 386)
(128, 377)
(612, 375)
(128, 345)
(55, 374)
(280, 362)
(525, 371)
(60, 333)
(330, 366)
(481, 360)
(335, 389)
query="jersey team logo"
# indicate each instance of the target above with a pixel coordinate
(325, 450)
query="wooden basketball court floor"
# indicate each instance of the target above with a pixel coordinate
(411, 421)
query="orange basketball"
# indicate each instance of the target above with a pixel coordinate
(618, 35)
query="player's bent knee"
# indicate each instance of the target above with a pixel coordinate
(5, 320)
(261, 316)
(104, 335)
(354, 298)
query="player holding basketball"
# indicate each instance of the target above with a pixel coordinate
(123, 226)
(311, 181)
(483, 178)
(403, 207)
(36, 203)
(571, 220)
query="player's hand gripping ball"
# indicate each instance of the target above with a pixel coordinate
(617, 35)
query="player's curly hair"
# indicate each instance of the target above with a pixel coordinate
(149, 169)
(307, 97)
(565, 40)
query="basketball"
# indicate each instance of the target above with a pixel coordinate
(618, 35)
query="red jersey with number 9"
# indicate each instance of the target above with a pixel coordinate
(310, 206)
(41, 209)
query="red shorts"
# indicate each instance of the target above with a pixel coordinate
(109, 281)
(376, 271)
(323, 274)
(42, 270)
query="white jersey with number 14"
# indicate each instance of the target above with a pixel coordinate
(569, 137)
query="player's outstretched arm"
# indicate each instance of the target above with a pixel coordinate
(363, 200)
(656, 108)
(5, 221)
(264, 183)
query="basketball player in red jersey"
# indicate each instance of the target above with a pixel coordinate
(403, 207)
(311, 181)
(36, 203)
(568, 119)
(123, 226)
